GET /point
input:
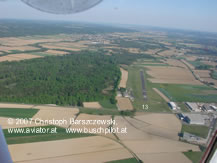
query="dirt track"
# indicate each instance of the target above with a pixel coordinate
(161, 94)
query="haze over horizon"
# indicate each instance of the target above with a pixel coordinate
(197, 15)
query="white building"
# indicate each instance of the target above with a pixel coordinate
(213, 107)
(193, 106)
(197, 119)
(173, 105)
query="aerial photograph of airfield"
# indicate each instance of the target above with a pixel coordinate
(158, 84)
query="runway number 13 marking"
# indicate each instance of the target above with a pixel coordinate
(145, 107)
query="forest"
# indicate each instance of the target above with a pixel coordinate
(63, 80)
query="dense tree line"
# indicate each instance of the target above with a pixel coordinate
(62, 80)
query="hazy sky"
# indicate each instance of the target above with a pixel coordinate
(183, 14)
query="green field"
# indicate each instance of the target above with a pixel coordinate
(43, 54)
(196, 63)
(195, 157)
(197, 130)
(199, 65)
(153, 65)
(155, 102)
(22, 138)
(107, 104)
(130, 160)
(214, 75)
(183, 93)
(156, 60)
(17, 113)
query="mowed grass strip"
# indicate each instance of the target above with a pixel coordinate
(134, 82)
(130, 160)
(197, 130)
(21, 138)
(154, 101)
(18, 113)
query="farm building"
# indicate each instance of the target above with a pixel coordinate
(207, 108)
(196, 119)
(213, 107)
(173, 105)
(193, 106)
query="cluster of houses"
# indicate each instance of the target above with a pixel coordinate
(173, 106)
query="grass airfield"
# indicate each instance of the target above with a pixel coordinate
(171, 76)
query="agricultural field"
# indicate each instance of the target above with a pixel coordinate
(171, 75)
(124, 103)
(211, 63)
(200, 65)
(92, 105)
(5, 125)
(41, 137)
(56, 52)
(92, 72)
(91, 149)
(105, 103)
(145, 138)
(12, 49)
(57, 113)
(168, 53)
(203, 73)
(155, 102)
(191, 93)
(188, 64)
(130, 160)
(124, 78)
(152, 51)
(162, 95)
(197, 130)
(18, 57)
(214, 75)
(175, 63)
(195, 157)
(17, 113)
(90, 128)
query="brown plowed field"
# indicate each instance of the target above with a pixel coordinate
(171, 75)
